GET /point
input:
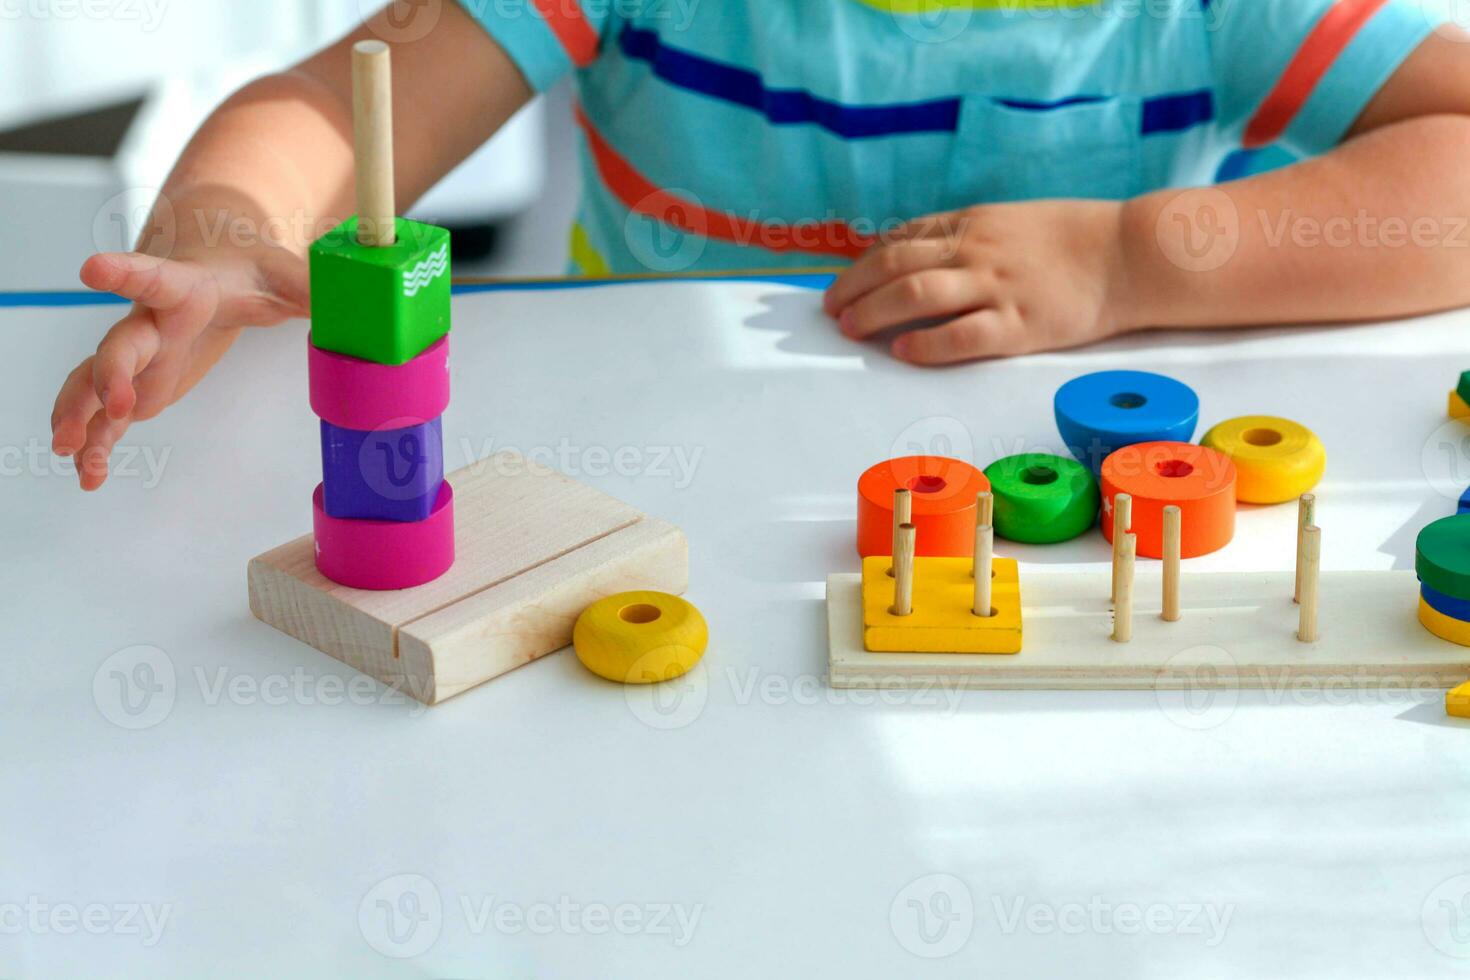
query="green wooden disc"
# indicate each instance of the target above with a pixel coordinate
(1442, 556)
(1042, 499)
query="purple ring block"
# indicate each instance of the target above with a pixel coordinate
(389, 474)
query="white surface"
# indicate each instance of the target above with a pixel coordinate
(1238, 630)
(1326, 828)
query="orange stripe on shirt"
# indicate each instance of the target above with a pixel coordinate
(1327, 40)
(569, 24)
(638, 194)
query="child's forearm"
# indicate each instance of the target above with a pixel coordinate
(1377, 228)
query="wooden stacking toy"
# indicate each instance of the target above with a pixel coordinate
(1042, 499)
(379, 371)
(1276, 459)
(1460, 398)
(1442, 562)
(1100, 413)
(941, 494)
(942, 605)
(1154, 475)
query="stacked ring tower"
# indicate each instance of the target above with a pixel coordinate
(1442, 562)
(379, 371)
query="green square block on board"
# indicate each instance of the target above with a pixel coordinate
(380, 304)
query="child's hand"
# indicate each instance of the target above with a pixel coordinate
(186, 313)
(1005, 279)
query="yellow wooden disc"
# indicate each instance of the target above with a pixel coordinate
(640, 637)
(1457, 701)
(1276, 459)
(1442, 626)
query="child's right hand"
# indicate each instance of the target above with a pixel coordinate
(187, 310)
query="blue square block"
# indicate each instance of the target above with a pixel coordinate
(384, 474)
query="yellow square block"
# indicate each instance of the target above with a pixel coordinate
(1457, 701)
(1458, 409)
(943, 620)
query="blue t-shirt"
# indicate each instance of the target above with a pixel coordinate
(765, 133)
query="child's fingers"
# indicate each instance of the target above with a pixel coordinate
(124, 353)
(984, 333)
(920, 296)
(156, 283)
(102, 434)
(883, 264)
(76, 403)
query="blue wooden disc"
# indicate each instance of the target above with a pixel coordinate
(1445, 604)
(1100, 413)
(1464, 505)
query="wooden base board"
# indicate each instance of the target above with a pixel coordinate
(1237, 630)
(533, 549)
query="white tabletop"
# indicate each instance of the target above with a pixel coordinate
(186, 791)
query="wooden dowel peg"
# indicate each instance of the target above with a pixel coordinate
(1123, 609)
(1173, 529)
(903, 513)
(1306, 515)
(372, 140)
(984, 553)
(1310, 570)
(984, 508)
(903, 571)
(1122, 521)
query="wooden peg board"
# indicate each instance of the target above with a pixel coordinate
(533, 549)
(1235, 630)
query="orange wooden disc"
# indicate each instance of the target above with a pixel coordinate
(1198, 480)
(943, 503)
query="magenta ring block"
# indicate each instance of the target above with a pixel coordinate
(352, 393)
(382, 555)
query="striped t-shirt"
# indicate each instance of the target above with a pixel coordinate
(723, 134)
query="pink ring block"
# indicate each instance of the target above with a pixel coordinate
(382, 555)
(352, 393)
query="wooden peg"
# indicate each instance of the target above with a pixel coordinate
(1122, 521)
(1123, 609)
(1173, 521)
(372, 140)
(1310, 571)
(1306, 515)
(984, 508)
(984, 553)
(903, 571)
(903, 513)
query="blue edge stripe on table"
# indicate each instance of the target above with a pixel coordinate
(81, 297)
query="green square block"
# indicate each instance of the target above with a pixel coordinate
(1464, 386)
(380, 304)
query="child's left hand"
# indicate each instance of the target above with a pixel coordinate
(1005, 279)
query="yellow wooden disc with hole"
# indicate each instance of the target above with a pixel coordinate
(1276, 459)
(640, 637)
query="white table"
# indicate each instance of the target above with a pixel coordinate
(283, 818)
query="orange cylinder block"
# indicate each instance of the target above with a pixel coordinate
(1198, 480)
(943, 503)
